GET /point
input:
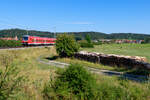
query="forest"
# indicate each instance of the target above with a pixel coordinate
(78, 35)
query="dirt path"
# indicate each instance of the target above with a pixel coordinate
(138, 78)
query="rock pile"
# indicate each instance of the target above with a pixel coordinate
(114, 60)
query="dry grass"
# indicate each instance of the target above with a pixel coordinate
(37, 74)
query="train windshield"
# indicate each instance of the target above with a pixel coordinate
(25, 38)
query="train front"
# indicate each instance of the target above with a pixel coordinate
(25, 40)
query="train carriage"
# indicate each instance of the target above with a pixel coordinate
(34, 40)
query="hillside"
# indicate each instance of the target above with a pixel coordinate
(78, 35)
(21, 32)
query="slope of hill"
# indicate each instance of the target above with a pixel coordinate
(79, 35)
(21, 32)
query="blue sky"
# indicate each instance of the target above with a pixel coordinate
(107, 16)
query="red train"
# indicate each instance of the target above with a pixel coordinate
(34, 40)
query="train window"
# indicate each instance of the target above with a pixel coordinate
(25, 38)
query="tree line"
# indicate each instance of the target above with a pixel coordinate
(78, 35)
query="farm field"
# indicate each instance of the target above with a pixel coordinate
(142, 50)
(37, 75)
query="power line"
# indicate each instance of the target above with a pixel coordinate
(5, 22)
(26, 27)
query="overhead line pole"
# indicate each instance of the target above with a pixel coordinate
(54, 32)
(27, 30)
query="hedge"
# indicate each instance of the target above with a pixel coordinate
(10, 43)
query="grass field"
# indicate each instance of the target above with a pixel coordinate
(123, 49)
(119, 49)
(38, 75)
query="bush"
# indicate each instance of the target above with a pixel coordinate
(87, 42)
(10, 43)
(88, 38)
(86, 45)
(147, 40)
(74, 82)
(66, 45)
(97, 43)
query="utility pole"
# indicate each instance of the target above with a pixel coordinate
(27, 30)
(54, 32)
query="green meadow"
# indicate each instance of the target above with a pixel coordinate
(142, 50)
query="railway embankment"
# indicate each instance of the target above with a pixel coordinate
(114, 60)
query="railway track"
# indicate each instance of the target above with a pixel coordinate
(22, 47)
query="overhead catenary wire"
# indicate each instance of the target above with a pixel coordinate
(27, 28)
(7, 23)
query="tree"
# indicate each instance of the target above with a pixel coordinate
(66, 45)
(87, 43)
(88, 38)
(147, 40)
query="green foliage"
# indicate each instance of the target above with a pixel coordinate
(10, 43)
(10, 81)
(85, 44)
(66, 45)
(147, 40)
(75, 82)
(97, 43)
(88, 38)
(20, 32)
(93, 35)
(119, 90)
(78, 38)
(111, 92)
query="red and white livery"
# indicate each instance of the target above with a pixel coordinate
(34, 40)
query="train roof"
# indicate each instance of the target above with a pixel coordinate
(25, 35)
(38, 37)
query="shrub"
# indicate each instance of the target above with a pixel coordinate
(10, 81)
(66, 45)
(97, 43)
(88, 38)
(74, 82)
(147, 40)
(10, 43)
(86, 45)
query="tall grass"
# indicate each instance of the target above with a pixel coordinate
(10, 79)
(106, 88)
(37, 74)
(74, 83)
